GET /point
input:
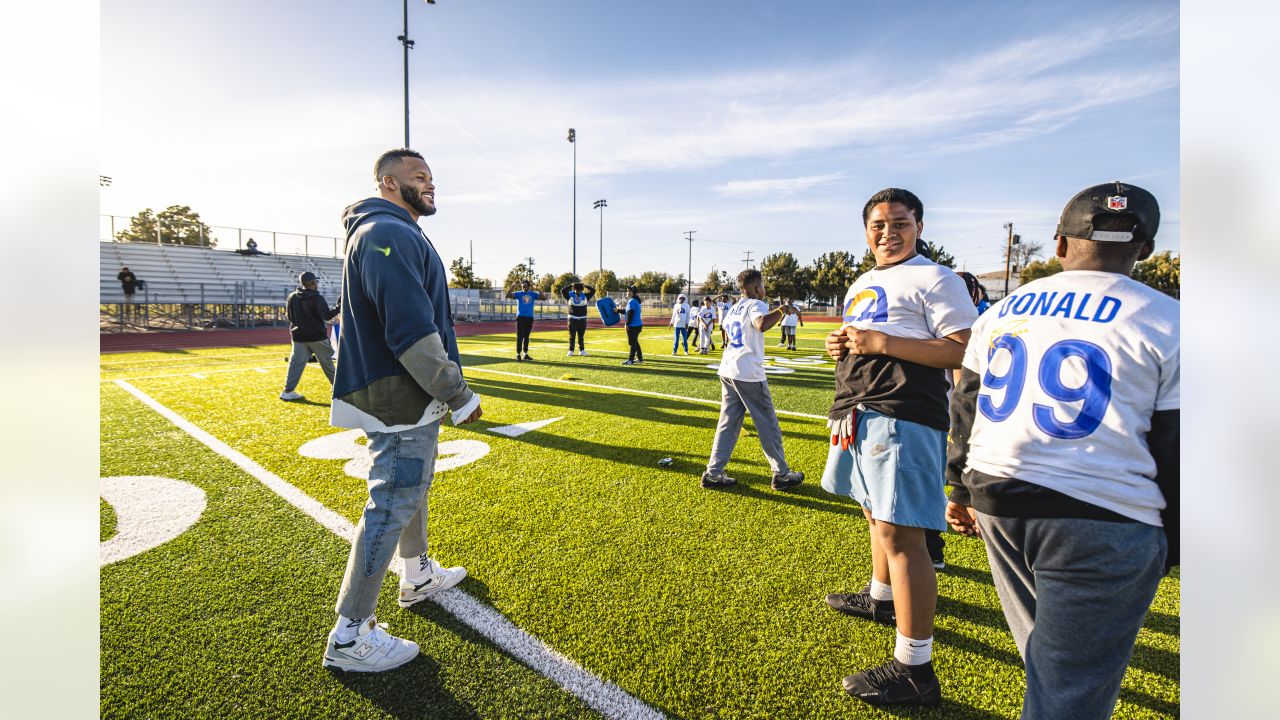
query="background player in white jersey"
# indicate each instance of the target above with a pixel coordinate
(722, 307)
(789, 323)
(906, 323)
(706, 324)
(743, 388)
(1065, 454)
(680, 325)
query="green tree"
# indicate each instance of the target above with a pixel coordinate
(176, 225)
(518, 274)
(939, 254)
(1162, 271)
(463, 276)
(650, 281)
(545, 282)
(1037, 269)
(562, 280)
(602, 280)
(781, 275)
(672, 286)
(718, 282)
(627, 280)
(867, 262)
(1022, 253)
(832, 273)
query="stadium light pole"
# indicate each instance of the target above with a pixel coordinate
(1008, 256)
(573, 140)
(408, 45)
(601, 205)
(688, 280)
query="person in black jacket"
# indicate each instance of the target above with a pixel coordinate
(578, 295)
(308, 312)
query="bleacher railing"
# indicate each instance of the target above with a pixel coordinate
(224, 237)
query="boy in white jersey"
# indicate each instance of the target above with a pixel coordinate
(743, 388)
(722, 307)
(1065, 454)
(790, 322)
(906, 323)
(680, 325)
(706, 323)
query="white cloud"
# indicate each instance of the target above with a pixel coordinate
(774, 186)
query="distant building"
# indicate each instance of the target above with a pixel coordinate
(994, 283)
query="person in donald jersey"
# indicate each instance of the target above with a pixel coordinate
(906, 323)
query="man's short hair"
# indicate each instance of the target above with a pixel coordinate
(750, 275)
(895, 195)
(391, 159)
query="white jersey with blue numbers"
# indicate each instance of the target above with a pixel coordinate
(1072, 367)
(743, 357)
(680, 315)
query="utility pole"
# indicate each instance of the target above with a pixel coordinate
(748, 258)
(688, 279)
(471, 249)
(601, 205)
(1008, 256)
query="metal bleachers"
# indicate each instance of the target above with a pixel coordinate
(197, 275)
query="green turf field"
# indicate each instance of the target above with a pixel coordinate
(700, 604)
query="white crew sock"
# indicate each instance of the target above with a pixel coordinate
(347, 628)
(417, 568)
(913, 652)
(881, 591)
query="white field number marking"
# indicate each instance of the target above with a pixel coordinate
(344, 446)
(150, 511)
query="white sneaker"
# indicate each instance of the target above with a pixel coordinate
(570, 354)
(291, 395)
(373, 649)
(438, 580)
(582, 352)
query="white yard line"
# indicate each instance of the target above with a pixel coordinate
(602, 696)
(631, 391)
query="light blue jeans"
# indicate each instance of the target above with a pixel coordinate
(1075, 592)
(682, 334)
(403, 466)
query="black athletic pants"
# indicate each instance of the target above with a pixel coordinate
(578, 329)
(524, 326)
(633, 339)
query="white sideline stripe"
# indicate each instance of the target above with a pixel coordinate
(632, 391)
(515, 431)
(602, 696)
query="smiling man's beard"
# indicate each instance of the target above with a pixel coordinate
(414, 198)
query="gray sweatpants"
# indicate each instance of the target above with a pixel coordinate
(736, 399)
(298, 361)
(1075, 593)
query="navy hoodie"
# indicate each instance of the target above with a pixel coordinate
(394, 293)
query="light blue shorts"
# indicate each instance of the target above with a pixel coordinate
(894, 470)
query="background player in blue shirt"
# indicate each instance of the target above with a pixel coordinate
(524, 298)
(635, 323)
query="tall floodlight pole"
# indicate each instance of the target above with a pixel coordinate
(688, 280)
(601, 205)
(1008, 256)
(408, 45)
(573, 140)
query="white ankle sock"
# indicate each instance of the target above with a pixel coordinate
(417, 568)
(913, 652)
(881, 591)
(347, 628)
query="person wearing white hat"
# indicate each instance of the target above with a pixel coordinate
(680, 323)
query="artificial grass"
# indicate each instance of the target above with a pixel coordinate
(704, 604)
(108, 521)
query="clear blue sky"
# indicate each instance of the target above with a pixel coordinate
(762, 126)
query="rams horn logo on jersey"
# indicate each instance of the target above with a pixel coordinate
(1117, 202)
(868, 304)
(1015, 327)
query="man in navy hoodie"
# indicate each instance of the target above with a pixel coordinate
(399, 375)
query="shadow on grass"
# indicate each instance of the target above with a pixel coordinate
(411, 691)
(445, 620)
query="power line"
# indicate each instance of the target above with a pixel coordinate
(747, 260)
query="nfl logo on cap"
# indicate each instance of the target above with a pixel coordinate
(1117, 202)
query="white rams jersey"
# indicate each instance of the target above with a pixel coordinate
(1072, 367)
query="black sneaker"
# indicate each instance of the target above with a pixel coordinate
(860, 604)
(933, 541)
(788, 480)
(896, 684)
(519, 357)
(717, 481)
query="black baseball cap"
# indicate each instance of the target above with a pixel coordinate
(1113, 199)
(306, 277)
